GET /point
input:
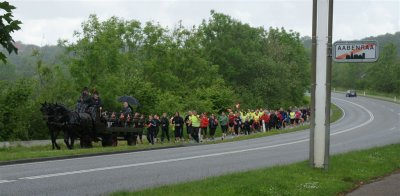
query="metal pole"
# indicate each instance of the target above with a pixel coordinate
(313, 80)
(328, 86)
(321, 84)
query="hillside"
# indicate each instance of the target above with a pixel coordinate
(24, 64)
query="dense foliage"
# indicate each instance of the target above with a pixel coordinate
(207, 68)
(7, 26)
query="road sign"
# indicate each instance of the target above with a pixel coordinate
(355, 51)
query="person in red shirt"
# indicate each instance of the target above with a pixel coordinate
(231, 122)
(204, 125)
(280, 119)
(298, 117)
(265, 118)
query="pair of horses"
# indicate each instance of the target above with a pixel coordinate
(73, 124)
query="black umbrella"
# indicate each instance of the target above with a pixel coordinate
(129, 99)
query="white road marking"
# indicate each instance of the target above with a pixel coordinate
(371, 118)
(157, 162)
(6, 181)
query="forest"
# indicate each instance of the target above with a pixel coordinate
(209, 68)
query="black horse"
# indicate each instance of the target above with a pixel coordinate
(75, 125)
(72, 124)
(49, 115)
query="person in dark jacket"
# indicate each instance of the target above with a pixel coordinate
(164, 127)
(212, 123)
(156, 118)
(189, 127)
(151, 130)
(237, 124)
(94, 105)
(126, 109)
(96, 100)
(125, 115)
(178, 122)
(135, 122)
(83, 101)
(247, 126)
(141, 125)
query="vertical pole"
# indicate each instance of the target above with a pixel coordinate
(313, 80)
(263, 126)
(328, 86)
(322, 94)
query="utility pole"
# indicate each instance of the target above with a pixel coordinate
(321, 82)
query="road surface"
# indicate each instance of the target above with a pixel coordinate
(366, 123)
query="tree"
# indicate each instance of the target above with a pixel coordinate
(265, 68)
(7, 26)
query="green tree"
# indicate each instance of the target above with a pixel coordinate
(266, 68)
(384, 76)
(7, 26)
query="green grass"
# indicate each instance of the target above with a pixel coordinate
(346, 172)
(26, 153)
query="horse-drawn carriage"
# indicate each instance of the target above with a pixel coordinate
(85, 127)
(116, 129)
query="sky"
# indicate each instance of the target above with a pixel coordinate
(46, 21)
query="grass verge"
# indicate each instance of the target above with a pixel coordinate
(347, 172)
(35, 152)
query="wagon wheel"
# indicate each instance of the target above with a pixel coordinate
(106, 140)
(131, 139)
(114, 140)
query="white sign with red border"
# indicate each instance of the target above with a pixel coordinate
(355, 51)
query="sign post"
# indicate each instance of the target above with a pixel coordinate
(321, 83)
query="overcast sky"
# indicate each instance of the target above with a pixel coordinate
(46, 21)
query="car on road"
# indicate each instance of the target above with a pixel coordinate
(351, 93)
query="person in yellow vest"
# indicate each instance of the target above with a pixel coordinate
(250, 117)
(292, 116)
(195, 121)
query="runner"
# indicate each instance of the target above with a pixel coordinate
(247, 126)
(164, 127)
(223, 120)
(213, 123)
(231, 119)
(195, 122)
(177, 121)
(189, 127)
(203, 126)
(151, 130)
(237, 123)
(292, 116)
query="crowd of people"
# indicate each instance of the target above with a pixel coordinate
(198, 126)
(203, 126)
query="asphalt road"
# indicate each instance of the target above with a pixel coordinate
(367, 123)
